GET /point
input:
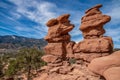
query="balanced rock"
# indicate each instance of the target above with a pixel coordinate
(89, 59)
(93, 21)
(93, 10)
(58, 39)
(94, 44)
(59, 28)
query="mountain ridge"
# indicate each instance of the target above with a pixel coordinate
(17, 42)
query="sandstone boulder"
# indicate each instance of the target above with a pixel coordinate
(99, 65)
(57, 49)
(112, 73)
(99, 45)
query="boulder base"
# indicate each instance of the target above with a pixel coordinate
(99, 65)
(98, 45)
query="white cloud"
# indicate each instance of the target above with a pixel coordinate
(15, 15)
(113, 9)
(19, 28)
(42, 11)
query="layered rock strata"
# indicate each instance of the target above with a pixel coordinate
(59, 43)
(94, 44)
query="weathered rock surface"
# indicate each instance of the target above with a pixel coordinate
(94, 44)
(97, 45)
(59, 28)
(92, 57)
(112, 73)
(93, 21)
(88, 56)
(99, 65)
(57, 49)
(69, 49)
(73, 72)
(50, 58)
(59, 44)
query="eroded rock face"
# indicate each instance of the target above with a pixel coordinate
(59, 43)
(57, 49)
(93, 21)
(58, 29)
(94, 44)
(97, 45)
(93, 54)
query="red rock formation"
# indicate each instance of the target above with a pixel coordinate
(58, 29)
(107, 65)
(93, 21)
(94, 44)
(112, 73)
(58, 40)
(93, 54)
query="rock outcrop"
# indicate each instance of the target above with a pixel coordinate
(92, 23)
(112, 73)
(108, 66)
(59, 43)
(59, 51)
(93, 57)
(94, 44)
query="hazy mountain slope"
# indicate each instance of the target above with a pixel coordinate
(16, 42)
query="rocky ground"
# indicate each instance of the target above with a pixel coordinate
(73, 72)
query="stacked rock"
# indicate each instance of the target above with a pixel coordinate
(94, 44)
(58, 40)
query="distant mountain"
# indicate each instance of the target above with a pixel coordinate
(17, 42)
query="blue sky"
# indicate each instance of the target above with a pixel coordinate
(28, 17)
